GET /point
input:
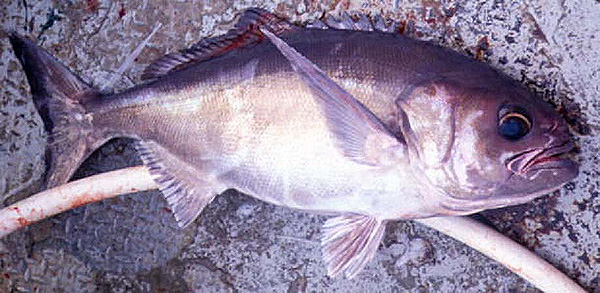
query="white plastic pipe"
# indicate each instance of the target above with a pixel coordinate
(74, 194)
(502, 249)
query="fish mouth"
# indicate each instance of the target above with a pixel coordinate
(553, 157)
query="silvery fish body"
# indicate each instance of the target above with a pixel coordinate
(366, 126)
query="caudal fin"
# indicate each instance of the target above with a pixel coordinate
(58, 96)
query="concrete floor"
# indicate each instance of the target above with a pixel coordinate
(239, 244)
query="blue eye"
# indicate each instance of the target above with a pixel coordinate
(513, 126)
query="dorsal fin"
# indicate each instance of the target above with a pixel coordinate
(246, 33)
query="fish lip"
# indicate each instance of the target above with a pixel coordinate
(541, 158)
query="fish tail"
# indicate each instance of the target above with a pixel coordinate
(59, 96)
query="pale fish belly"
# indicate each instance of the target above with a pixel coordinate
(280, 149)
(292, 160)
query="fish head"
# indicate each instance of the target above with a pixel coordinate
(493, 145)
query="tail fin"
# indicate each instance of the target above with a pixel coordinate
(58, 96)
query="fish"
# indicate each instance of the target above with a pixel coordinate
(364, 126)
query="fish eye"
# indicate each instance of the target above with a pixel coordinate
(513, 123)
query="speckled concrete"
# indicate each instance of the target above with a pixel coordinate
(239, 244)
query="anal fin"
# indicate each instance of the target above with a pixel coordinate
(349, 242)
(186, 188)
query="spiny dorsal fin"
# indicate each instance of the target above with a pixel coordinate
(349, 242)
(245, 33)
(357, 22)
(187, 189)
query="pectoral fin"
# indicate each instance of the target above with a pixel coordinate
(358, 132)
(349, 242)
(186, 189)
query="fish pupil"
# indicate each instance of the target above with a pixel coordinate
(513, 128)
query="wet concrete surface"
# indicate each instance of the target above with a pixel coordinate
(239, 244)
